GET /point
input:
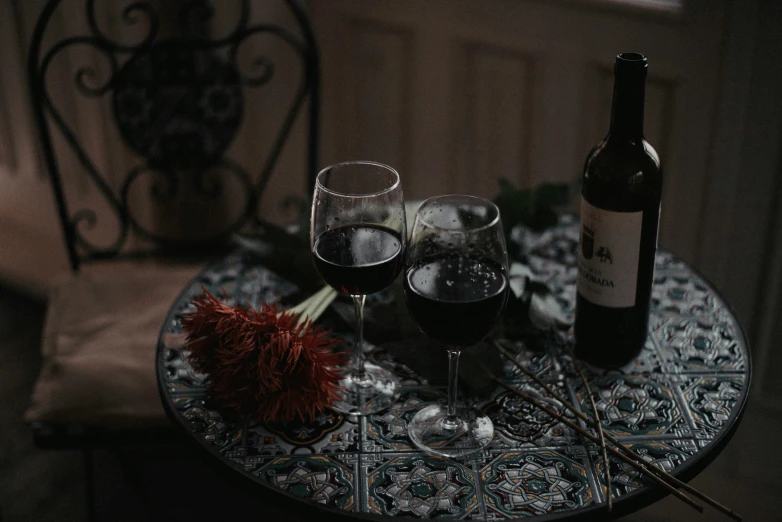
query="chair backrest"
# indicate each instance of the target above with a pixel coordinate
(177, 98)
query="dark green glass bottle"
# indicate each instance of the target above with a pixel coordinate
(620, 211)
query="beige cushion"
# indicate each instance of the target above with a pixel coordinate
(99, 344)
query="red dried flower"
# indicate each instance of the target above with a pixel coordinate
(260, 363)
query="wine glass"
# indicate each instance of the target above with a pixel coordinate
(456, 286)
(358, 234)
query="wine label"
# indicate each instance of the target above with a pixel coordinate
(608, 256)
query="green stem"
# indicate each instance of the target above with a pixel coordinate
(314, 306)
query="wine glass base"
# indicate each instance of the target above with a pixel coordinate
(430, 433)
(378, 390)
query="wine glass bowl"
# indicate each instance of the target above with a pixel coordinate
(456, 286)
(358, 233)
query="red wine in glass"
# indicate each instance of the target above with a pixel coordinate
(455, 285)
(358, 237)
(455, 315)
(358, 259)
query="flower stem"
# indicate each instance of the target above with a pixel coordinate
(321, 306)
(314, 306)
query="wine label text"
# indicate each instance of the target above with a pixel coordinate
(608, 252)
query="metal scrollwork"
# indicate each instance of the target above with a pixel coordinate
(262, 65)
(208, 184)
(203, 12)
(162, 189)
(177, 105)
(87, 216)
(85, 71)
(266, 72)
(86, 219)
(131, 15)
(177, 102)
(196, 12)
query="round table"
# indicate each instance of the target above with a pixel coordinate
(677, 405)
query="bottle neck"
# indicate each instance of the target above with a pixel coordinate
(627, 110)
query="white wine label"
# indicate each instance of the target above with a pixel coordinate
(608, 256)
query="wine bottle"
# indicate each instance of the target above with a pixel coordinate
(620, 211)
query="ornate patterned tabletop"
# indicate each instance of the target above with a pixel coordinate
(676, 405)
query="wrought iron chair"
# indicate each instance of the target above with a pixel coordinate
(178, 97)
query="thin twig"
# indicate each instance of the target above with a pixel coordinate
(588, 390)
(670, 478)
(638, 465)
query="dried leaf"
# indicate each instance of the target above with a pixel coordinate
(546, 313)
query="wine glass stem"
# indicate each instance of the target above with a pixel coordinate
(358, 354)
(451, 421)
